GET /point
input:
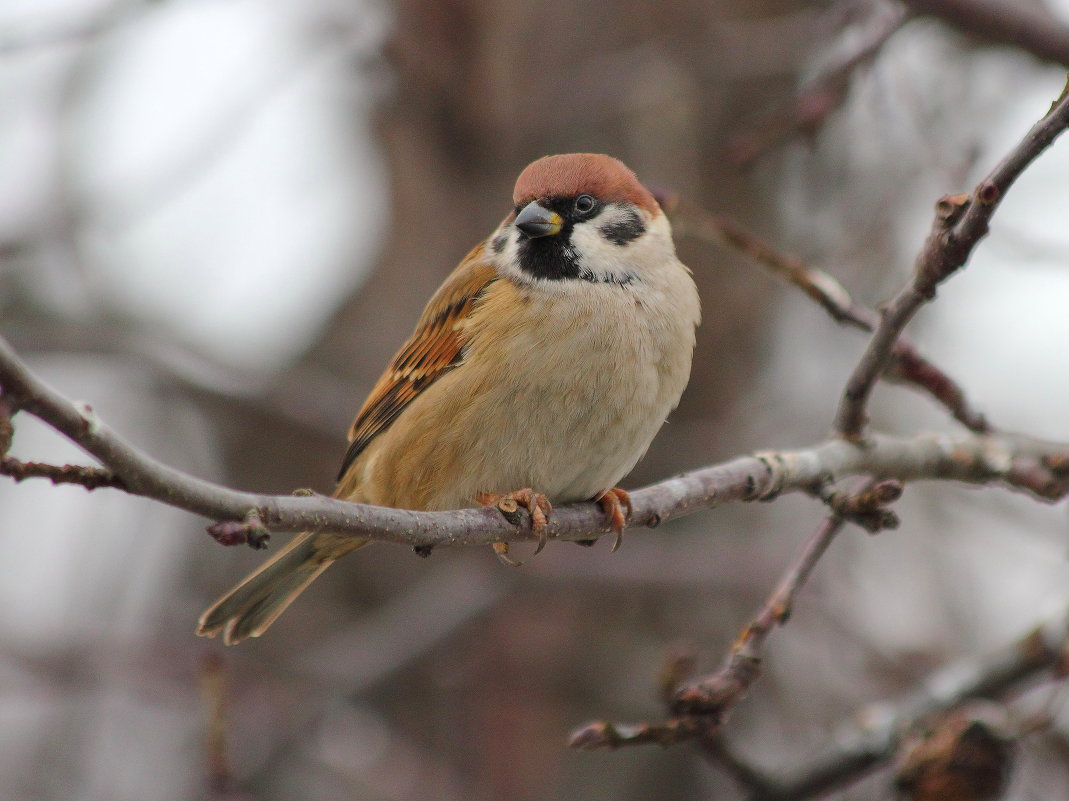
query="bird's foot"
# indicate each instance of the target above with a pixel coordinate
(508, 503)
(613, 502)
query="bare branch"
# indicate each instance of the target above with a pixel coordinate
(908, 365)
(1039, 468)
(602, 734)
(717, 694)
(691, 220)
(719, 752)
(860, 747)
(912, 368)
(1029, 27)
(807, 111)
(86, 476)
(702, 706)
(249, 531)
(961, 221)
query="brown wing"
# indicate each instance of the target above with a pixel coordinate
(435, 347)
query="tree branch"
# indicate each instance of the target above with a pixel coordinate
(1032, 466)
(1027, 27)
(89, 477)
(961, 221)
(807, 111)
(1031, 28)
(908, 365)
(860, 747)
(701, 706)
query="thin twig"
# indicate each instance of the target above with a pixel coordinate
(700, 707)
(602, 734)
(863, 508)
(961, 221)
(83, 475)
(859, 747)
(908, 365)
(689, 219)
(868, 737)
(718, 693)
(1030, 27)
(807, 111)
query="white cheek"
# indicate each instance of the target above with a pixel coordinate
(635, 259)
(509, 259)
(599, 256)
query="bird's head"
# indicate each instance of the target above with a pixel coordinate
(582, 217)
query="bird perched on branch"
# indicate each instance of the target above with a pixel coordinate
(538, 373)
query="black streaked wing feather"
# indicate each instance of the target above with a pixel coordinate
(435, 347)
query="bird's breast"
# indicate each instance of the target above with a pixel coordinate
(561, 393)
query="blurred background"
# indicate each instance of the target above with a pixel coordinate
(219, 218)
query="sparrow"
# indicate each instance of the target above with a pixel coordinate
(538, 373)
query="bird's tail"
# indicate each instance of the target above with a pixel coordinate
(254, 604)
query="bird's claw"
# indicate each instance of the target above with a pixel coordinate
(613, 502)
(508, 504)
(501, 551)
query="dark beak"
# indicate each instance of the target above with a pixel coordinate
(535, 221)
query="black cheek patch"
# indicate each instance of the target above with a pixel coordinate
(624, 230)
(499, 243)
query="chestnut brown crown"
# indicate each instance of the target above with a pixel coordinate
(572, 174)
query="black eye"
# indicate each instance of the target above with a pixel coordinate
(584, 204)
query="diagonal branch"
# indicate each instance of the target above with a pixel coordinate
(961, 221)
(806, 112)
(870, 737)
(700, 707)
(908, 366)
(1027, 26)
(860, 747)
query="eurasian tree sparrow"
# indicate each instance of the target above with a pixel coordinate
(547, 361)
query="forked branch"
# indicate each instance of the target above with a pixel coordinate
(961, 221)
